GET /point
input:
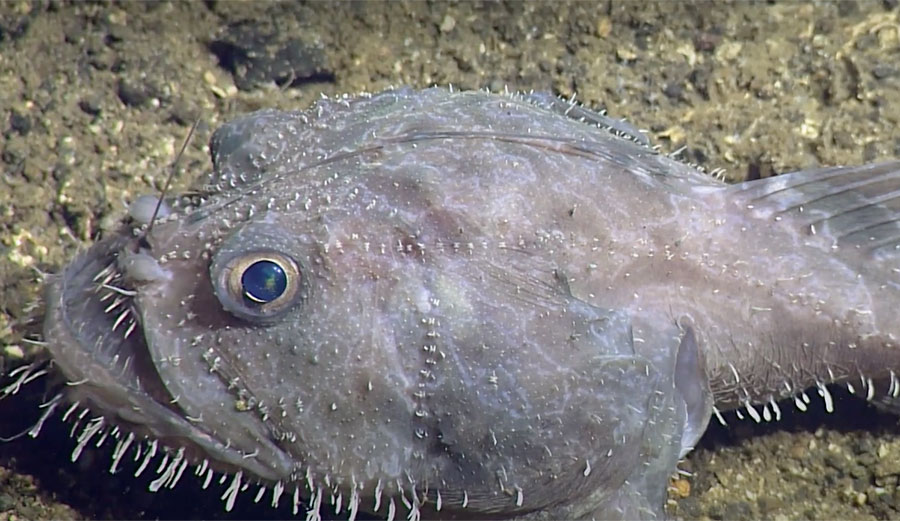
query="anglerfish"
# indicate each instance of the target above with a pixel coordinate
(440, 304)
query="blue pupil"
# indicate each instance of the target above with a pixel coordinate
(263, 281)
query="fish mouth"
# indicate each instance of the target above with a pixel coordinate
(93, 331)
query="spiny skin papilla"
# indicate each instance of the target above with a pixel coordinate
(430, 303)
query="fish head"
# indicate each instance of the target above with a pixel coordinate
(337, 318)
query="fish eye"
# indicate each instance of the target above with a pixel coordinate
(263, 281)
(259, 284)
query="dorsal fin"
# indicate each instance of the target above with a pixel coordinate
(578, 112)
(857, 206)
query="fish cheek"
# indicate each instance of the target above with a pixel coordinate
(180, 320)
(300, 357)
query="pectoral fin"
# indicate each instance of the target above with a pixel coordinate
(692, 385)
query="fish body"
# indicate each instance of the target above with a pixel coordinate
(469, 304)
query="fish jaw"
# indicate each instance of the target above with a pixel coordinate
(102, 350)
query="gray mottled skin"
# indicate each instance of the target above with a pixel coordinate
(497, 310)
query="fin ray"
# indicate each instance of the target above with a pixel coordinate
(857, 206)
